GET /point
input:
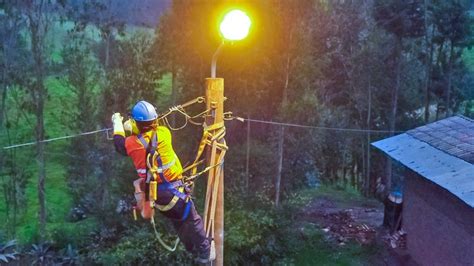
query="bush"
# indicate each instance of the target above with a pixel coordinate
(7, 251)
(41, 254)
(76, 234)
(69, 256)
(251, 232)
(138, 246)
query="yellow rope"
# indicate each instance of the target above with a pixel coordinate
(158, 236)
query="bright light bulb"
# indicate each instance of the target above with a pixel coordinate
(235, 25)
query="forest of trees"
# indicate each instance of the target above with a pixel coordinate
(376, 67)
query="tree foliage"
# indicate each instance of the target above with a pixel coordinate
(359, 65)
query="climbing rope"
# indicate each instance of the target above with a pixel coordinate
(160, 240)
(191, 178)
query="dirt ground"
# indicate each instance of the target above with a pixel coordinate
(361, 221)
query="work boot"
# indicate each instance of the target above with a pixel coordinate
(207, 257)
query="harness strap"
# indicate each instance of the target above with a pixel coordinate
(153, 155)
(168, 206)
(173, 185)
(177, 187)
(186, 210)
(159, 170)
(157, 158)
(177, 191)
(148, 175)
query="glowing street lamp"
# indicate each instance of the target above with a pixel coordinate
(234, 27)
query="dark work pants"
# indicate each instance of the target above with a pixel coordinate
(190, 231)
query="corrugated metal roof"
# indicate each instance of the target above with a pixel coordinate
(453, 135)
(448, 171)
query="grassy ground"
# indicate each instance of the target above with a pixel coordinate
(338, 194)
(320, 253)
(317, 249)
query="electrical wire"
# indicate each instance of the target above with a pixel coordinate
(58, 138)
(239, 118)
(318, 127)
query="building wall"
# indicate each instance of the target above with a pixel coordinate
(439, 226)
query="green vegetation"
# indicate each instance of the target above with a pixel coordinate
(337, 193)
(311, 62)
(282, 237)
(325, 254)
(468, 58)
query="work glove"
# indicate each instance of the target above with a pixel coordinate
(117, 124)
(127, 126)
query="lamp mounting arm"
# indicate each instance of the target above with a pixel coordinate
(214, 60)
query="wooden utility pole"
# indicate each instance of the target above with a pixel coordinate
(247, 163)
(281, 140)
(214, 208)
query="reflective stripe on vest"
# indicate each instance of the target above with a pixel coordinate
(166, 166)
(155, 156)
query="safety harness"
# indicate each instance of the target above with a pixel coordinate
(213, 138)
(155, 169)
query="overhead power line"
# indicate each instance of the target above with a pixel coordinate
(357, 130)
(54, 139)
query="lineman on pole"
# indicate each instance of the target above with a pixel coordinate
(160, 183)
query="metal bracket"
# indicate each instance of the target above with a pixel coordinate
(108, 136)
